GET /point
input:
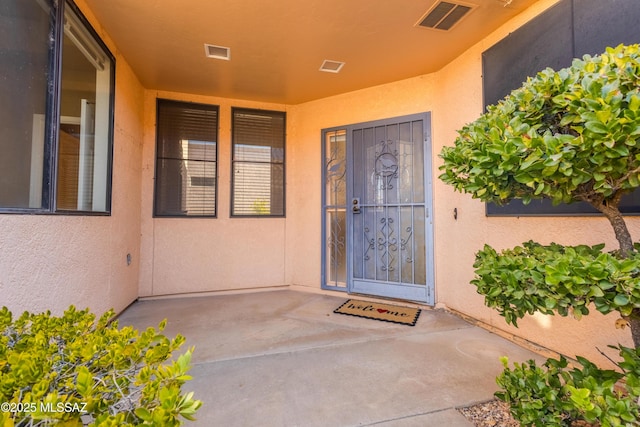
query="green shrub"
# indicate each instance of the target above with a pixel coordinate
(557, 279)
(73, 371)
(554, 395)
(565, 280)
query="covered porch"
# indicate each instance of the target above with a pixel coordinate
(107, 258)
(283, 357)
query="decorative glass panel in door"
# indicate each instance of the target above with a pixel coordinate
(389, 210)
(335, 208)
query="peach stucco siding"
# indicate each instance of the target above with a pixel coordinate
(49, 262)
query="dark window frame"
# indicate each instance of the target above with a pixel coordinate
(205, 107)
(274, 113)
(52, 117)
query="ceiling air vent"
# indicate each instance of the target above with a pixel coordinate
(217, 52)
(331, 66)
(444, 15)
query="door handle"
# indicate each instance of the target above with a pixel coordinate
(355, 205)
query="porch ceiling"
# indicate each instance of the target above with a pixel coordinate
(277, 47)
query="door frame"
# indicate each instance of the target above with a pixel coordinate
(428, 188)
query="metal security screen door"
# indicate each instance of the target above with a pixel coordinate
(377, 204)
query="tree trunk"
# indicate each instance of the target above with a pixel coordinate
(623, 236)
(634, 325)
(619, 227)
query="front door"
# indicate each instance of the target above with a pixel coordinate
(377, 209)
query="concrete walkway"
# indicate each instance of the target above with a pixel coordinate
(283, 358)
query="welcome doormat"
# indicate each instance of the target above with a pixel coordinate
(378, 311)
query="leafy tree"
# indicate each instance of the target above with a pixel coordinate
(569, 135)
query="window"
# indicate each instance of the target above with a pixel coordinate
(56, 104)
(258, 163)
(186, 159)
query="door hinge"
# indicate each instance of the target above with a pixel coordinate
(426, 212)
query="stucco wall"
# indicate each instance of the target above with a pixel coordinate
(49, 261)
(190, 255)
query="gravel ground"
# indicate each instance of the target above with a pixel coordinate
(493, 413)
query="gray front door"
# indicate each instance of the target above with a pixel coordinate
(386, 225)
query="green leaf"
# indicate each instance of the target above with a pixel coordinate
(603, 115)
(621, 300)
(597, 127)
(143, 414)
(162, 325)
(595, 291)
(634, 102)
(84, 381)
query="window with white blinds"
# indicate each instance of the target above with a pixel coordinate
(186, 159)
(258, 163)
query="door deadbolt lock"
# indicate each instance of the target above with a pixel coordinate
(355, 205)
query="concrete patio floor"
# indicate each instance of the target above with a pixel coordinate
(283, 358)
